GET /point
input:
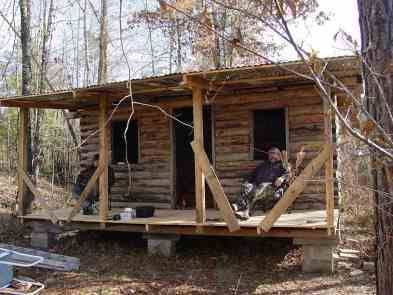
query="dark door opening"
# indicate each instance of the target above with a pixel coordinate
(184, 157)
(269, 131)
(123, 150)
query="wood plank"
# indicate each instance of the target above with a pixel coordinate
(36, 194)
(215, 187)
(295, 189)
(200, 198)
(103, 159)
(22, 158)
(90, 184)
(329, 173)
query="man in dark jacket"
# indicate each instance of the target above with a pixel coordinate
(88, 206)
(266, 184)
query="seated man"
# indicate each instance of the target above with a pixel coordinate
(88, 206)
(267, 184)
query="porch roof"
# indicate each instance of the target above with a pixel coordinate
(172, 86)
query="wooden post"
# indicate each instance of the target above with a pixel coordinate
(329, 179)
(22, 158)
(197, 99)
(103, 160)
(215, 187)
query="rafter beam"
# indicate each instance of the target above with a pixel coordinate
(201, 83)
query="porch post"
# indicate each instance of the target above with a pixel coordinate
(22, 158)
(329, 179)
(103, 160)
(197, 99)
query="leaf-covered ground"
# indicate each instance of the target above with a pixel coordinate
(117, 263)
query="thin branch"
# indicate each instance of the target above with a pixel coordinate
(325, 94)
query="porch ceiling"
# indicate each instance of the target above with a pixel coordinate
(172, 86)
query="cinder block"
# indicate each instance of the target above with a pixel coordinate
(164, 245)
(318, 258)
(41, 240)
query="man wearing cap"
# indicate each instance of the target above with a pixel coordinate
(266, 184)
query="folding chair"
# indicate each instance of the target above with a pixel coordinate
(8, 260)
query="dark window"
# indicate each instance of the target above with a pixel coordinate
(119, 144)
(269, 131)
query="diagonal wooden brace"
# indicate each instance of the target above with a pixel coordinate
(295, 189)
(215, 187)
(85, 193)
(36, 194)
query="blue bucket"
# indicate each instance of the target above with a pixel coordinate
(6, 274)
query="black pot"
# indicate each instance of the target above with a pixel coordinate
(144, 211)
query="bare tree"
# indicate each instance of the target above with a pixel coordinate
(25, 33)
(103, 59)
(25, 19)
(86, 45)
(39, 113)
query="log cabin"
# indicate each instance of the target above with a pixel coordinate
(190, 142)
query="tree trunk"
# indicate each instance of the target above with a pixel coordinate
(179, 46)
(39, 113)
(217, 49)
(86, 46)
(103, 60)
(25, 34)
(376, 24)
(25, 16)
(149, 30)
(47, 30)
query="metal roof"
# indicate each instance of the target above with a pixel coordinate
(171, 86)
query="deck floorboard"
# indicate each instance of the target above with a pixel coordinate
(315, 219)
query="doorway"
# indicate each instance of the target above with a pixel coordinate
(184, 157)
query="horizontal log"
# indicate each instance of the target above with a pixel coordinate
(232, 123)
(233, 140)
(149, 197)
(153, 157)
(270, 104)
(236, 115)
(232, 157)
(285, 95)
(231, 149)
(232, 132)
(293, 138)
(231, 165)
(305, 109)
(144, 175)
(306, 119)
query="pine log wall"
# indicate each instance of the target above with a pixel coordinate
(234, 132)
(152, 178)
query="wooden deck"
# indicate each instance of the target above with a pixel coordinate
(310, 224)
